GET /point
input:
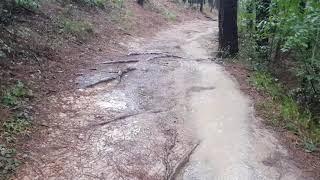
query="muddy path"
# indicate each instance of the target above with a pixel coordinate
(165, 111)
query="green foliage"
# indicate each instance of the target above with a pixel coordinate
(282, 109)
(310, 146)
(170, 15)
(118, 3)
(10, 7)
(8, 162)
(292, 30)
(79, 29)
(14, 98)
(14, 127)
(265, 82)
(14, 95)
(28, 4)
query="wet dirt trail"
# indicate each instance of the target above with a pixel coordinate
(165, 111)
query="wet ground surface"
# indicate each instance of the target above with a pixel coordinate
(165, 111)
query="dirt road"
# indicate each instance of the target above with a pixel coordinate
(165, 111)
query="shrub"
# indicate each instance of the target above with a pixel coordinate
(28, 4)
(13, 96)
(80, 29)
(8, 162)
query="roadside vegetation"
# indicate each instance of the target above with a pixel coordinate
(14, 125)
(280, 41)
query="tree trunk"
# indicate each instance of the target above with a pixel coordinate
(201, 5)
(228, 29)
(141, 2)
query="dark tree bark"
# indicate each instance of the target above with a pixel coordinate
(201, 5)
(228, 28)
(141, 2)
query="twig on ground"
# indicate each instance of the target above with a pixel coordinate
(120, 62)
(182, 163)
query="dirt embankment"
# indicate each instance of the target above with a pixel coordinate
(46, 49)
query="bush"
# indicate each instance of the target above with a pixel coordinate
(28, 4)
(8, 162)
(13, 96)
(291, 33)
(80, 29)
(283, 110)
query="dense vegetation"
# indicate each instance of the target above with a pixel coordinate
(281, 41)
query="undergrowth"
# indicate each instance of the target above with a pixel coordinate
(171, 16)
(8, 162)
(80, 29)
(280, 38)
(282, 110)
(29, 4)
(15, 125)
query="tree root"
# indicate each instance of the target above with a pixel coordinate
(116, 119)
(164, 56)
(182, 163)
(120, 62)
(122, 117)
(144, 53)
(208, 17)
(109, 79)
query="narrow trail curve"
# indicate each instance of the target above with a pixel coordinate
(141, 123)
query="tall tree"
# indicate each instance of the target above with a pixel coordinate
(228, 28)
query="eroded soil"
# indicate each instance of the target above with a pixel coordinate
(141, 118)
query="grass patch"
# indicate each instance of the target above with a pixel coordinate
(79, 29)
(282, 110)
(264, 81)
(161, 9)
(13, 96)
(170, 16)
